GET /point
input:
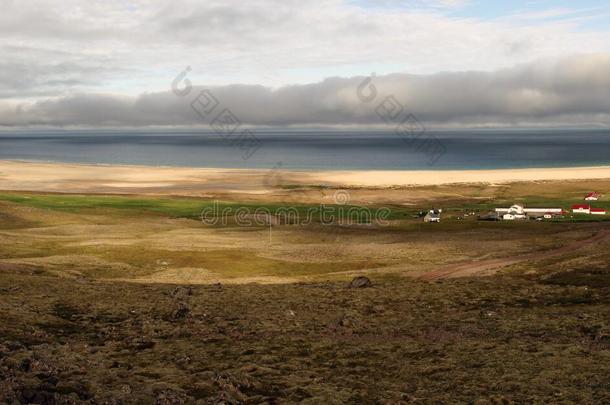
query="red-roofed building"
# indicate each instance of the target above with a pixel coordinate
(598, 211)
(592, 196)
(581, 209)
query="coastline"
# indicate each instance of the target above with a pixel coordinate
(104, 178)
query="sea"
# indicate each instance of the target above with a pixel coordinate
(316, 149)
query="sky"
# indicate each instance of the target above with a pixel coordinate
(452, 63)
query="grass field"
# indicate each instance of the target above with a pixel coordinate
(146, 238)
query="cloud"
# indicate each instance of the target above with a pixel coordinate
(132, 46)
(573, 91)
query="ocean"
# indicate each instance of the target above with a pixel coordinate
(316, 149)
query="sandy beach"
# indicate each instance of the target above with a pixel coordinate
(80, 178)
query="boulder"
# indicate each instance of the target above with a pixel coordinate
(360, 282)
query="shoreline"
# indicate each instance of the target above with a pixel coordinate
(105, 178)
(293, 170)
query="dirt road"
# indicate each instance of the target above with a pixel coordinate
(471, 268)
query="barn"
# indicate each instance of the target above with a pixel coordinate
(581, 209)
(592, 196)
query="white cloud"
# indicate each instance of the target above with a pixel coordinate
(570, 91)
(271, 42)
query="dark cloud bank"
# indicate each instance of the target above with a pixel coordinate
(574, 91)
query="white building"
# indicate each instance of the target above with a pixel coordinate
(592, 196)
(581, 209)
(433, 216)
(543, 211)
(519, 212)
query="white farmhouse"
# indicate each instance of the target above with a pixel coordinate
(519, 212)
(512, 213)
(581, 209)
(592, 196)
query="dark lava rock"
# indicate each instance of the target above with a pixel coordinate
(25, 364)
(182, 311)
(37, 396)
(170, 397)
(360, 282)
(144, 344)
(74, 387)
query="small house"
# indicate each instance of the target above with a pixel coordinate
(433, 216)
(581, 209)
(592, 196)
(512, 213)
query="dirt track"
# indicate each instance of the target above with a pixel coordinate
(474, 267)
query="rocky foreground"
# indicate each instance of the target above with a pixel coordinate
(491, 340)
